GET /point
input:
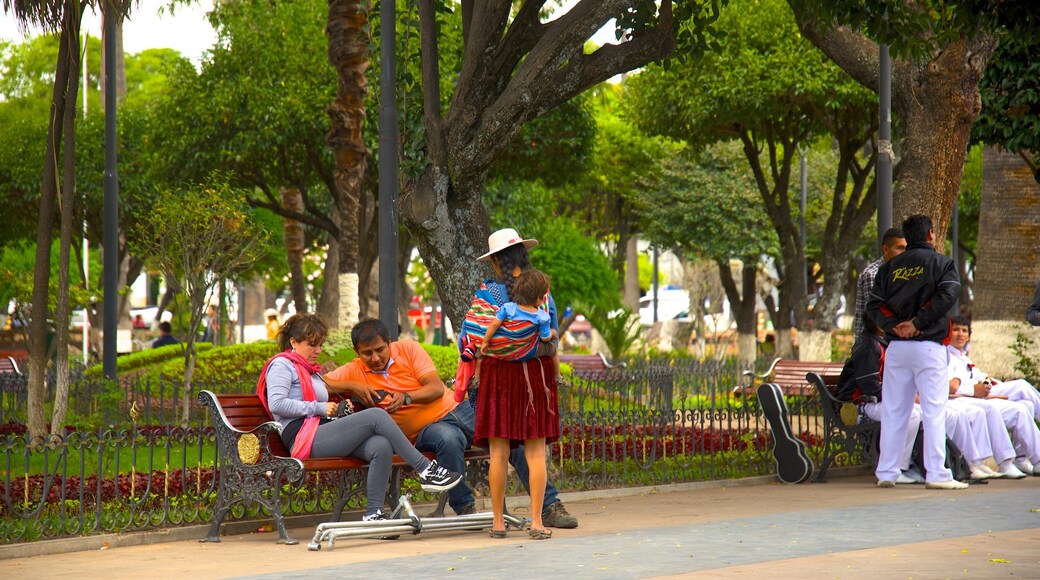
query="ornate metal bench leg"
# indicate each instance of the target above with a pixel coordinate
(219, 511)
(279, 520)
(441, 502)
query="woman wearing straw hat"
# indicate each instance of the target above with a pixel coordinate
(272, 323)
(518, 402)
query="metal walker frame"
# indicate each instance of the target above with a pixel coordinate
(404, 520)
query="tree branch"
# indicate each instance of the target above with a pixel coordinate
(856, 54)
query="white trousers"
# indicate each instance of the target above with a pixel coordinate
(986, 434)
(873, 410)
(1002, 415)
(1020, 391)
(914, 369)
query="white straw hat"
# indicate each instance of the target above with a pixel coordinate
(270, 312)
(504, 238)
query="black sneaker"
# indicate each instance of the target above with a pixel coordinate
(556, 516)
(437, 478)
(376, 517)
(470, 508)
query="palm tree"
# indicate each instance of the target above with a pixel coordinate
(348, 54)
(64, 18)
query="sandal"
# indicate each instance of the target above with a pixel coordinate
(497, 534)
(539, 534)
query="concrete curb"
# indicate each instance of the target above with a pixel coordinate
(186, 533)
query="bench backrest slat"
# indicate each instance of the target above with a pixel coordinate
(8, 365)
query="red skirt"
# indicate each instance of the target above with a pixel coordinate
(517, 405)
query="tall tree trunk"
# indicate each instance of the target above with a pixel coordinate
(292, 200)
(328, 303)
(631, 280)
(742, 301)
(773, 183)
(936, 99)
(1006, 270)
(514, 69)
(73, 17)
(450, 236)
(37, 388)
(348, 54)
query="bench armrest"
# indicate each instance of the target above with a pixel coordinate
(607, 364)
(248, 449)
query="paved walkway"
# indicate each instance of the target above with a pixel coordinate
(842, 529)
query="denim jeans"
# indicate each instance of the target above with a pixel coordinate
(450, 436)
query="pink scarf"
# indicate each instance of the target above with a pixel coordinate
(305, 437)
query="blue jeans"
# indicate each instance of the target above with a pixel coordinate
(450, 436)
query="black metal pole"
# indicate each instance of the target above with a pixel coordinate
(388, 168)
(655, 285)
(804, 153)
(110, 324)
(884, 163)
(955, 251)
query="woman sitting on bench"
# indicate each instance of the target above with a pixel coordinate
(294, 393)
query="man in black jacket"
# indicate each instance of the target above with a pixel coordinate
(911, 302)
(1033, 312)
(860, 382)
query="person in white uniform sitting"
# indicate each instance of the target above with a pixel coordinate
(968, 385)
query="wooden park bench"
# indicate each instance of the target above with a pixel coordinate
(790, 375)
(9, 366)
(845, 432)
(583, 364)
(254, 463)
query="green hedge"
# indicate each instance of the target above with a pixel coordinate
(243, 362)
(236, 362)
(148, 357)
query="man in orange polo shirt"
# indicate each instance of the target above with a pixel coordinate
(400, 376)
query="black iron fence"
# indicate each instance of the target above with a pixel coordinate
(134, 464)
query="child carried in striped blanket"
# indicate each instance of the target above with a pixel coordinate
(532, 290)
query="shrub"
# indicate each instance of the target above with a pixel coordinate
(237, 362)
(147, 358)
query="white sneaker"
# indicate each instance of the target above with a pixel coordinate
(980, 472)
(886, 483)
(1012, 472)
(987, 469)
(1025, 466)
(914, 474)
(904, 479)
(952, 484)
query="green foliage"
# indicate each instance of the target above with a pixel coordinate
(1026, 363)
(765, 77)
(236, 363)
(707, 206)
(17, 261)
(205, 231)
(578, 269)
(445, 358)
(619, 327)
(257, 107)
(555, 148)
(148, 357)
(969, 203)
(919, 27)
(1010, 114)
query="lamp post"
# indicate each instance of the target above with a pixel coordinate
(803, 152)
(111, 204)
(388, 168)
(884, 162)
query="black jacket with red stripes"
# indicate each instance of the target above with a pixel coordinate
(919, 284)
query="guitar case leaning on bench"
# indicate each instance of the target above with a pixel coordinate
(792, 462)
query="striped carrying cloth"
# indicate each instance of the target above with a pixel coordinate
(515, 339)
